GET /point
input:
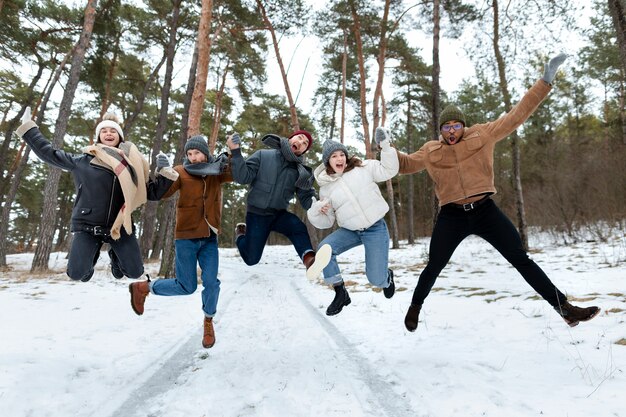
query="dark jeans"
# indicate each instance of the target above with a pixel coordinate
(85, 252)
(258, 229)
(487, 221)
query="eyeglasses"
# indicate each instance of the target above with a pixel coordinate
(456, 126)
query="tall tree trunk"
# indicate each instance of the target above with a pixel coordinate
(356, 26)
(217, 111)
(46, 230)
(292, 106)
(203, 45)
(130, 120)
(436, 91)
(382, 51)
(150, 209)
(344, 70)
(106, 100)
(504, 89)
(618, 13)
(410, 191)
(167, 268)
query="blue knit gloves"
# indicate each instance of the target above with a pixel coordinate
(552, 67)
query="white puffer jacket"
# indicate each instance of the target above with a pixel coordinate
(355, 199)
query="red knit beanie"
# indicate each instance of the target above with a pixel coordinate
(305, 133)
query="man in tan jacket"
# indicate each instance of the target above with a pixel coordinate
(461, 165)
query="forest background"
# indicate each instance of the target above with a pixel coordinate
(171, 69)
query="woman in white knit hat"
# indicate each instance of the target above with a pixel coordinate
(111, 180)
(349, 194)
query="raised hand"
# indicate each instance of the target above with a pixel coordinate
(162, 161)
(552, 66)
(27, 116)
(233, 141)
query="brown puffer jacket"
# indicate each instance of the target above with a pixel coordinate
(465, 169)
(199, 207)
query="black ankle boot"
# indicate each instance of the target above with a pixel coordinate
(412, 317)
(391, 289)
(341, 299)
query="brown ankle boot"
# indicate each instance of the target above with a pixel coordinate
(138, 293)
(208, 340)
(574, 315)
(412, 317)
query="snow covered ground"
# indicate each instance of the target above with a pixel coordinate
(485, 345)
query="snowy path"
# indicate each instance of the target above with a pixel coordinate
(293, 361)
(485, 345)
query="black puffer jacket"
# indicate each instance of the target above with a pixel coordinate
(98, 192)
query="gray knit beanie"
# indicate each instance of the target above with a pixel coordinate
(451, 113)
(198, 142)
(331, 146)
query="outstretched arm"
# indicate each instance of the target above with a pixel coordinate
(29, 131)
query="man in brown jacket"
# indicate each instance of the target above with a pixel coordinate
(198, 219)
(461, 165)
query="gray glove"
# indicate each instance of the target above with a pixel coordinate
(550, 69)
(236, 139)
(162, 161)
(381, 135)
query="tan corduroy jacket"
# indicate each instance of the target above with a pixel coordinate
(465, 169)
(199, 207)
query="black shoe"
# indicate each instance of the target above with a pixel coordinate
(412, 317)
(115, 265)
(341, 299)
(574, 315)
(391, 289)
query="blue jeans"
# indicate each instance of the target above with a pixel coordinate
(189, 253)
(258, 229)
(376, 241)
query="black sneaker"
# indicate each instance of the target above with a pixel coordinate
(115, 265)
(342, 298)
(391, 289)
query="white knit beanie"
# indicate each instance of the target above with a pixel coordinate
(109, 120)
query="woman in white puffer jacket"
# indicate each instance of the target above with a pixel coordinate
(350, 195)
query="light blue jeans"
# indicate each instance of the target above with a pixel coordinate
(189, 253)
(376, 241)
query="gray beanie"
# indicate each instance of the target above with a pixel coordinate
(450, 113)
(198, 142)
(331, 146)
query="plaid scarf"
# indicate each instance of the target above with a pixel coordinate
(305, 174)
(132, 170)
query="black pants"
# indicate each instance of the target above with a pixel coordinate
(487, 221)
(85, 252)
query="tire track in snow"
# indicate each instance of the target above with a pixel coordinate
(164, 378)
(391, 403)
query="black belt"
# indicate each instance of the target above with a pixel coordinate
(470, 206)
(96, 230)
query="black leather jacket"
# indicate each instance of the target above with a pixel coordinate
(99, 195)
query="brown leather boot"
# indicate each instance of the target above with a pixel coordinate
(208, 340)
(138, 293)
(574, 315)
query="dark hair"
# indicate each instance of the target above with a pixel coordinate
(351, 163)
